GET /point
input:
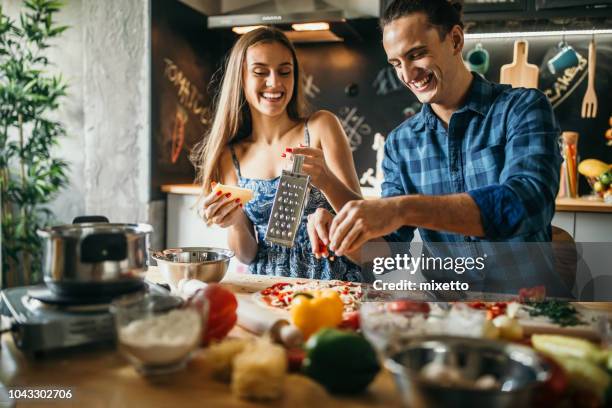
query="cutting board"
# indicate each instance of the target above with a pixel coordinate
(252, 314)
(542, 325)
(246, 285)
(520, 73)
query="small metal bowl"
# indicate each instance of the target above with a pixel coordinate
(518, 370)
(201, 263)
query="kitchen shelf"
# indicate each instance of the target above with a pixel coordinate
(582, 205)
(188, 189)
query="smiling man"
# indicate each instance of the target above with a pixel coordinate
(479, 162)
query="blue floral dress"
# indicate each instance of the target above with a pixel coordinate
(297, 261)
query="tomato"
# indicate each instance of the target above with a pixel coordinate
(221, 310)
(493, 309)
(219, 331)
(477, 305)
(535, 294)
(410, 306)
(350, 321)
(497, 309)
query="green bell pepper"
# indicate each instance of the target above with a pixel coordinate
(341, 361)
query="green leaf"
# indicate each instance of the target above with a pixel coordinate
(30, 92)
(56, 31)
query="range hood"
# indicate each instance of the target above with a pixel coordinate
(284, 13)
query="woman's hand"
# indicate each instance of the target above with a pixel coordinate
(222, 209)
(314, 166)
(318, 226)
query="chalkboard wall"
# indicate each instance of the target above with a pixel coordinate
(184, 57)
(351, 79)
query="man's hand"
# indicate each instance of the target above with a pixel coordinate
(362, 220)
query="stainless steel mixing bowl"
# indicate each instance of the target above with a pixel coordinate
(519, 371)
(201, 263)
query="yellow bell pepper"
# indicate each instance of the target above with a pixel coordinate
(314, 310)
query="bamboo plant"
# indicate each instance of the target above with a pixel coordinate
(30, 177)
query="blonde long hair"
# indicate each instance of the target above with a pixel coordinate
(232, 118)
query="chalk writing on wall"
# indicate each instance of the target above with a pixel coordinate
(354, 125)
(178, 133)
(387, 81)
(310, 88)
(371, 177)
(189, 96)
(567, 83)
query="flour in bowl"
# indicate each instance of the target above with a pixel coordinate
(162, 339)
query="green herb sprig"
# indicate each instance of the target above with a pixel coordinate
(562, 313)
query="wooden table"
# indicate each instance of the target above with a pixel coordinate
(100, 377)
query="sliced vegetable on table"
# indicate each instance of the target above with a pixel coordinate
(566, 346)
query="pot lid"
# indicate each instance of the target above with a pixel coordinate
(79, 230)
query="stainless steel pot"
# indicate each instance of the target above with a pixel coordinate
(95, 258)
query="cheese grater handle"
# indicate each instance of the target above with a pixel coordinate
(298, 161)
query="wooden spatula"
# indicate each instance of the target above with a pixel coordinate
(589, 103)
(519, 72)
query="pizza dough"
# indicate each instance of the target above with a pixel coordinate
(280, 295)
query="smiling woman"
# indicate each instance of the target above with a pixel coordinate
(260, 122)
(268, 77)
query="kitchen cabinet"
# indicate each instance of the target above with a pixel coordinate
(488, 10)
(586, 221)
(480, 6)
(593, 227)
(499, 10)
(558, 4)
(585, 226)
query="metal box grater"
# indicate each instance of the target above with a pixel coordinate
(288, 205)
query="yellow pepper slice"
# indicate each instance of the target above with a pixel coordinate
(565, 346)
(314, 310)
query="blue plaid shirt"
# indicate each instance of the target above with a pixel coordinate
(501, 148)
